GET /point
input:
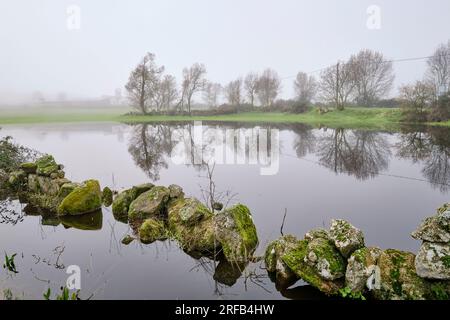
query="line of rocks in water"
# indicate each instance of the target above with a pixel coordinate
(153, 212)
(337, 262)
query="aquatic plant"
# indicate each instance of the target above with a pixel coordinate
(9, 263)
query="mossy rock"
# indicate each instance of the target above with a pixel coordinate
(107, 196)
(66, 189)
(43, 185)
(236, 233)
(149, 204)
(398, 277)
(176, 192)
(361, 266)
(85, 198)
(121, 203)
(90, 221)
(29, 167)
(295, 260)
(346, 237)
(152, 230)
(43, 202)
(46, 165)
(317, 233)
(326, 259)
(282, 274)
(127, 240)
(187, 211)
(435, 228)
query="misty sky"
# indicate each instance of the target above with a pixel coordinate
(39, 53)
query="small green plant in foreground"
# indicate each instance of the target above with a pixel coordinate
(348, 293)
(64, 295)
(10, 264)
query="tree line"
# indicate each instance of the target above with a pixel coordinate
(365, 79)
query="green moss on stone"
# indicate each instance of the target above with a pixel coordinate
(107, 196)
(83, 199)
(149, 204)
(122, 202)
(46, 165)
(152, 230)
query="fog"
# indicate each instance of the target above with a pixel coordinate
(41, 50)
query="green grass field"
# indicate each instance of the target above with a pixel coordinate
(374, 118)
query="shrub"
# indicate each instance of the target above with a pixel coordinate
(441, 109)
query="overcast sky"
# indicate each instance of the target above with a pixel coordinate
(39, 52)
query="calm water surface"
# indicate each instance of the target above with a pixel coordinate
(384, 183)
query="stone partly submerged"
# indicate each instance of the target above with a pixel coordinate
(85, 198)
(346, 237)
(149, 204)
(123, 200)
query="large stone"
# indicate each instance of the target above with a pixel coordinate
(46, 165)
(362, 269)
(43, 185)
(398, 279)
(176, 191)
(29, 167)
(149, 204)
(296, 259)
(66, 189)
(346, 237)
(435, 228)
(283, 275)
(187, 211)
(236, 233)
(322, 255)
(152, 230)
(83, 199)
(193, 226)
(121, 203)
(433, 261)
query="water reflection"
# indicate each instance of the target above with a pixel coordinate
(431, 148)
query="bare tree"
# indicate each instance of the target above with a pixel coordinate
(269, 86)
(166, 93)
(305, 87)
(142, 82)
(233, 92)
(337, 84)
(193, 81)
(416, 99)
(373, 76)
(211, 94)
(251, 87)
(438, 71)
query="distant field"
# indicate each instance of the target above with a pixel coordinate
(377, 118)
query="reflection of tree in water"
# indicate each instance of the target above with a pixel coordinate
(432, 147)
(149, 145)
(360, 153)
(305, 140)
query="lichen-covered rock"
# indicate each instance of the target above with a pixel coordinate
(435, 228)
(346, 237)
(149, 204)
(42, 185)
(361, 266)
(121, 203)
(322, 255)
(398, 277)
(152, 230)
(107, 196)
(193, 226)
(83, 199)
(46, 165)
(317, 233)
(283, 275)
(29, 167)
(236, 233)
(175, 191)
(433, 261)
(295, 259)
(187, 211)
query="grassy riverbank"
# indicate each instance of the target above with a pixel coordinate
(376, 118)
